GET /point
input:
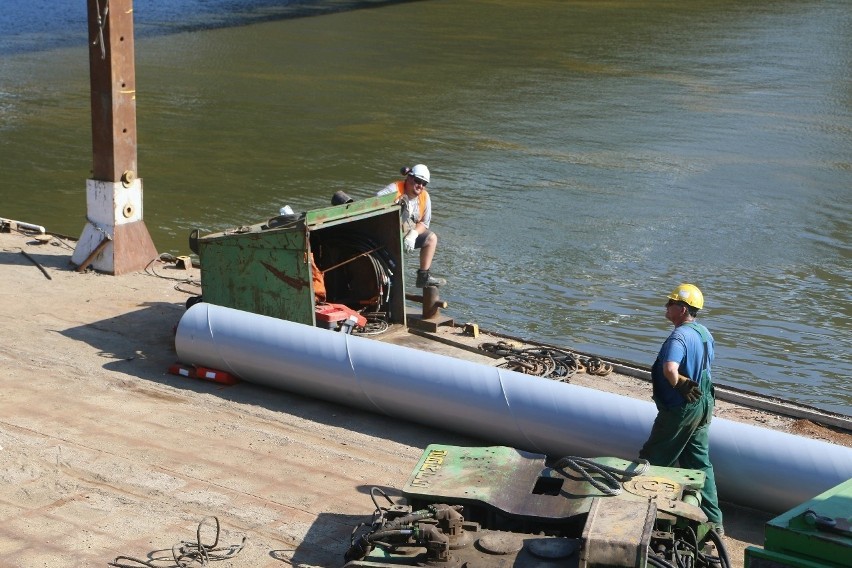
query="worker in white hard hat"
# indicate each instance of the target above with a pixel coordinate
(684, 395)
(416, 214)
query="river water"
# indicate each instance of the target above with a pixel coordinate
(586, 157)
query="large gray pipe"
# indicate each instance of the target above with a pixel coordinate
(755, 467)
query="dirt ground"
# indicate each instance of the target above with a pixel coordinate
(104, 454)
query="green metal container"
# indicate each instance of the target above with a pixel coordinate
(265, 268)
(816, 534)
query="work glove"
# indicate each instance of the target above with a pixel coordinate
(689, 389)
(410, 239)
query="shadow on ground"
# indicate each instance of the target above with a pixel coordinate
(32, 257)
(141, 344)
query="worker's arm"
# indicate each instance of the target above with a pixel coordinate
(684, 385)
(670, 370)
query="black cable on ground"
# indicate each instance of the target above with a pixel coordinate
(186, 554)
(547, 362)
(150, 271)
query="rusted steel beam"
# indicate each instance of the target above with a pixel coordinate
(112, 73)
(115, 239)
(98, 249)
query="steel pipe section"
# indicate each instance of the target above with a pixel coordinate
(755, 467)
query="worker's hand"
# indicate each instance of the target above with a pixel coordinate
(689, 389)
(410, 239)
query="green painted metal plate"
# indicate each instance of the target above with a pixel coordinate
(264, 272)
(795, 536)
(520, 483)
(338, 213)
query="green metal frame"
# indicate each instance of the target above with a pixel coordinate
(793, 540)
(335, 214)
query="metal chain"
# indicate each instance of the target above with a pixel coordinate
(99, 229)
(101, 24)
(550, 363)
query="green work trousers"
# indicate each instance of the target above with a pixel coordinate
(681, 436)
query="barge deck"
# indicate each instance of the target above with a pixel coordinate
(104, 453)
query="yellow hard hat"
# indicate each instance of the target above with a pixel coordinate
(689, 294)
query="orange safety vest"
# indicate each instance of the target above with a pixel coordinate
(421, 200)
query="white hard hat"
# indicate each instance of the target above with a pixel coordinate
(421, 172)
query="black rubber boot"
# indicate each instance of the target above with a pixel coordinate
(425, 279)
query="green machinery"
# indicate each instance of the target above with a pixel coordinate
(816, 534)
(271, 268)
(501, 507)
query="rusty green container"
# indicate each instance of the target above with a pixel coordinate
(265, 268)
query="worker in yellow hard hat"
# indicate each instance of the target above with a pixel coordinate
(684, 395)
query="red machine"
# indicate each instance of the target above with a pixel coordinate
(336, 316)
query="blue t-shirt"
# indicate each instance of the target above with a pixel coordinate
(685, 347)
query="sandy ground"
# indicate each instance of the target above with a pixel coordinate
(106, 454)
(103, 453)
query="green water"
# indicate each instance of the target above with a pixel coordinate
(586, 157)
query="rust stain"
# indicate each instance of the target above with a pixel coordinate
(294, 282)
